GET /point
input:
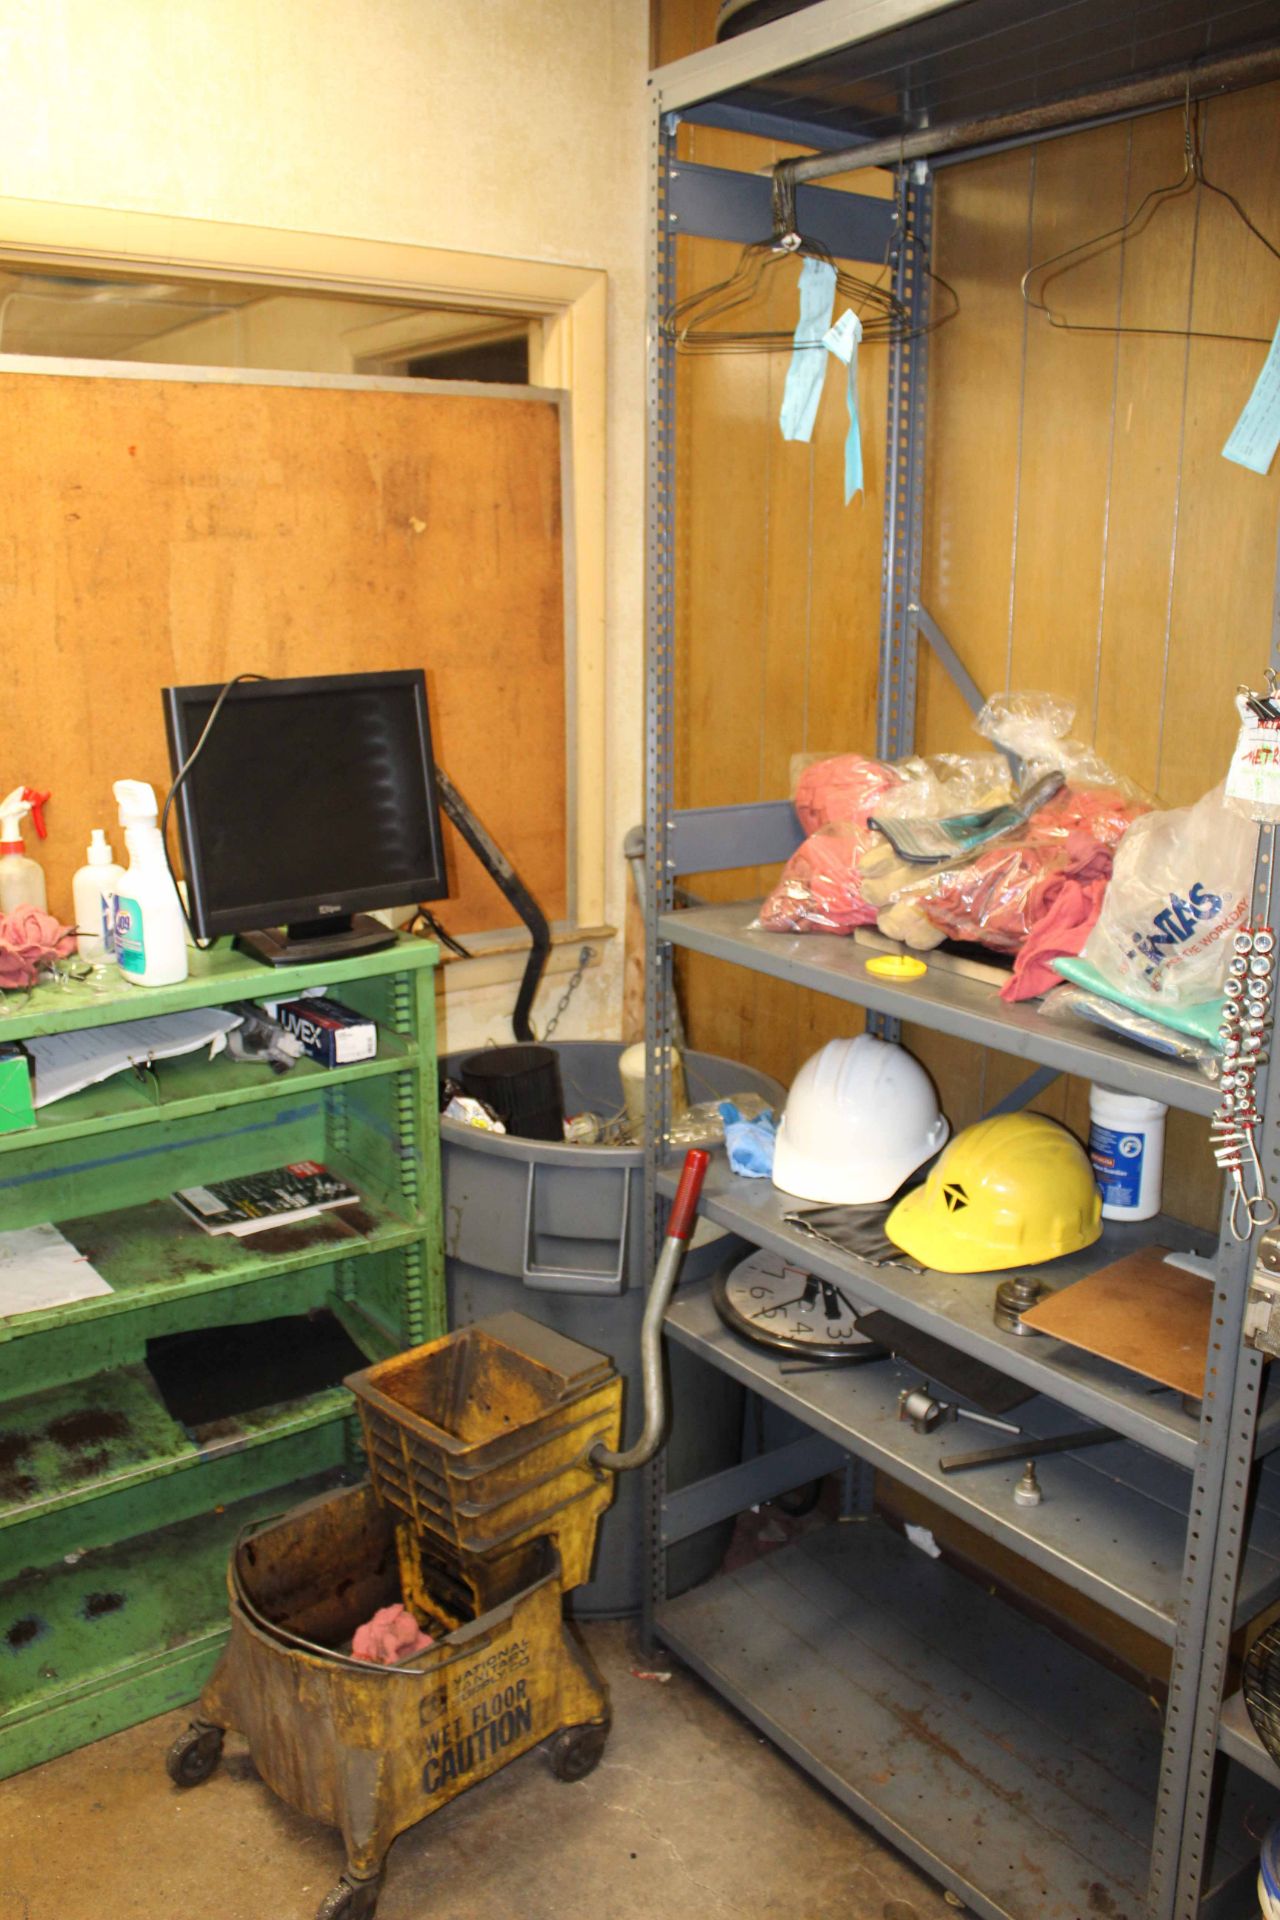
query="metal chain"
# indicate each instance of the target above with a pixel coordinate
(585, 954)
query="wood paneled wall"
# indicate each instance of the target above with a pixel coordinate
(166, 531)
(1083, 533)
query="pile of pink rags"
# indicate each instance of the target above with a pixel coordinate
(391, 1636)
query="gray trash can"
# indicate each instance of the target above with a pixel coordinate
(557, 1232)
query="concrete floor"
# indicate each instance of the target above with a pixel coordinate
(689, 1814)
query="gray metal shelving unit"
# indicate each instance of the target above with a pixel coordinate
(1021, 1773)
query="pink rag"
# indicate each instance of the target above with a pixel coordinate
(842, 790)
(819, 890)
(1064, 925)
(29, 939)
(999, 896)
(390, 1637)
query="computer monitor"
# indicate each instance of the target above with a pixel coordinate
(309, 799)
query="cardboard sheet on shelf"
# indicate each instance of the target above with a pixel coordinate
(1140, 1312)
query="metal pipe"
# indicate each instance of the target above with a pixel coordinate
(684, 1212)
(1161, 88)
(499, 868)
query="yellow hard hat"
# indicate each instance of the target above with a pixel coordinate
(1008, 1192)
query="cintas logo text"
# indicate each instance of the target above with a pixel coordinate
(1175, 924)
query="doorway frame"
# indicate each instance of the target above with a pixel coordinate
(568, 350)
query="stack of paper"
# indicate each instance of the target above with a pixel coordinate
(39, 1267)
(67, 1062)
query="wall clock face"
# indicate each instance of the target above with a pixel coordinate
(778, 1304)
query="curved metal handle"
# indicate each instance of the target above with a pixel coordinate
(680, 1225)
(572, 1279)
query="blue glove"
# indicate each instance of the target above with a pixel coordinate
(750, 1143)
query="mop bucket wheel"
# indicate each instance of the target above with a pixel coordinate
(349, 1900)
(577, 1751)
(195, 1754)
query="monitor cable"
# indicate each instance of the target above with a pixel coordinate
(201, 946)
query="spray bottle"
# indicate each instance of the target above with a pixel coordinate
(150, 937)
(93, 890)
(21, 878)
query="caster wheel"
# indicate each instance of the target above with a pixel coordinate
(349, 1900)
(578, 1751)
(194, 1755)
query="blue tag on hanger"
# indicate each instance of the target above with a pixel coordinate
(808, 362)
(842, 340)
(1256, 434)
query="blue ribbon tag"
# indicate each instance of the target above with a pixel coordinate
(1256, 434)
(842, 340)
(808, 367)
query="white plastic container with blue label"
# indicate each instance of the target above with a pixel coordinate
(1126, 1146)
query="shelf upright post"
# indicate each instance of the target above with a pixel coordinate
(904, 484)
(659, 781)
(1217, 1528)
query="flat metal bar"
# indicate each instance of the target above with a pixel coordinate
(659, 987)
(960, 676)
(716, 203)
(692, 1508)
(1160, 88)
(718, 839)
(1025, 1092)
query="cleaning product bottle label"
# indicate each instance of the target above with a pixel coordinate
(1117, 1164)
(129, 943)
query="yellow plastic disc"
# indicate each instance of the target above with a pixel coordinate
(896, 966)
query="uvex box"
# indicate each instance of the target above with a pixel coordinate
(329, 1032)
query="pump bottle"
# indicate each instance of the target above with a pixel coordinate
(93, 890)
(21, 878)
(150, 938)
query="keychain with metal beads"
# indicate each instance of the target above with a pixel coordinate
(1245, 1016)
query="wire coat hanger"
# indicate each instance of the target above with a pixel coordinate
(690, 324)
(1193, 179)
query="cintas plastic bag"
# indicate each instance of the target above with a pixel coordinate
(1180, 887)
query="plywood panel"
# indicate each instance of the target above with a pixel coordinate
(169, 531)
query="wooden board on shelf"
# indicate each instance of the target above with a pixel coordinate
(1140, 1312)
(162, 532)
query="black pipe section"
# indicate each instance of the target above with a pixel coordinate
(496, 864)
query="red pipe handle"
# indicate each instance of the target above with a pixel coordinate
(684, 1210)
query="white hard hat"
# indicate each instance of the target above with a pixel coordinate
(861, 1115)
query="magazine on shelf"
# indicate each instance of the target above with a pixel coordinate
(258, 1201)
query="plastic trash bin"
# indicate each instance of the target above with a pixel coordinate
(557, 1232)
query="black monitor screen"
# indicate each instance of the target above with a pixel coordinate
(309, 798)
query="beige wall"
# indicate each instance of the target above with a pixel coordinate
(508, 127)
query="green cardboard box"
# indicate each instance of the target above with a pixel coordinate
(16, 1109)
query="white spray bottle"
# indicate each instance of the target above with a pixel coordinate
(150, 937)
(21, 878)
(93, 890)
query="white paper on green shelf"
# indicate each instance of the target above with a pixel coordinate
(39, 1267)
(66, 1063)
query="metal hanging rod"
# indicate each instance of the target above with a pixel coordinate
(1167, 86)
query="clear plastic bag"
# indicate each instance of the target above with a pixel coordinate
(1181, 888)
(1077, 1003)
(839, 789)
(996, 898)
(1035, 727)
(820, 889)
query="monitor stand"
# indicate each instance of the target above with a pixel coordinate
(305, 940)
